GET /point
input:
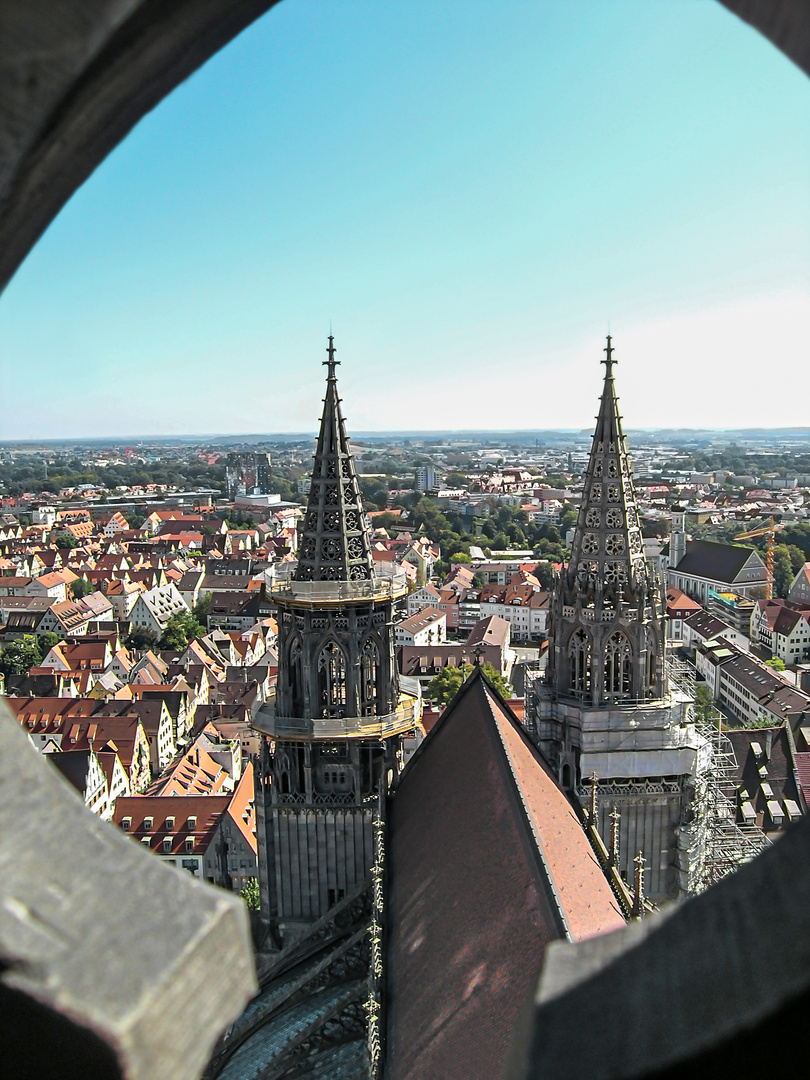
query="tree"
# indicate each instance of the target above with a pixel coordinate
(250, 893)
(704, 704)
(47, 642)
(66, 540)
(782, 573)
(200, 609)
(546, 575)
(180, 630)
(139, 638)
(797, 558)
(80, 587)
(18, 657)
(386, 520)
(776, 663)
(444, 686)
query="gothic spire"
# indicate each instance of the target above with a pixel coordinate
(335, 543)
(607, 553)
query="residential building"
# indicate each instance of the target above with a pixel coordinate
(799, 592)
(427, 627)
(783, 628)
(426, 596)
(153, 609)
(83, 770)
(733, 609)
(679, 608)
(75, 618)
(524, 606)
(182, 830)
(768, 790)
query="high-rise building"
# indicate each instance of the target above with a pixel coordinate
(427, 478)
(606, 714)
(339, 712)
(247, 474)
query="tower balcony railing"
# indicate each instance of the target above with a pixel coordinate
(388, 587)
(403, 718)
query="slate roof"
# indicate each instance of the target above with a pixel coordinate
(775, 759)
(708, 559)
(488, 864)
(707, 625)
(305, 990)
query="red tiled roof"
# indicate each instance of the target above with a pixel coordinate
(475, 821)
(803, 774)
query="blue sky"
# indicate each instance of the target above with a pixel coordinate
(470, 194)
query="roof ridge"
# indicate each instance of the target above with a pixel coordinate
(530, 821)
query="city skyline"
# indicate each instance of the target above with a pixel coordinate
(471, 204)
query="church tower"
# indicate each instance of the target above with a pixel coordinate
(606, 714)
(334, 729)
(608, 615)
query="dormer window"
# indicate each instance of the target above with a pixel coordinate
(167, 845)
(126, 824)
(169, 822)
(148, 823)
(192, 823)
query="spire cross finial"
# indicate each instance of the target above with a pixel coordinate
(331, 362)
(609, 362)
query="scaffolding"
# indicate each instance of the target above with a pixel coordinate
(723, 843)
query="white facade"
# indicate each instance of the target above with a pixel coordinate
(153, 609)
(428, 627)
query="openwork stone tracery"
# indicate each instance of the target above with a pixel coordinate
(606, 614)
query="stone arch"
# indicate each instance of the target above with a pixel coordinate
(333, 677)
(579, 662)
(371, 677)
(618, 666)
(295, 668)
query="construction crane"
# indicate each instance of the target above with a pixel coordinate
(770, 531)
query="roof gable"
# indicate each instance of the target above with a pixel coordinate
(718, 562)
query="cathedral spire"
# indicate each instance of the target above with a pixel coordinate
(608, 590)
(335, 543)
(607, 552)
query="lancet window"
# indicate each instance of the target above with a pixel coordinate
(579, 662)
(296, 670)
(618, 667)
(369, 670)
(332, 680)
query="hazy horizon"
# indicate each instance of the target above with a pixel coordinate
(470, 197)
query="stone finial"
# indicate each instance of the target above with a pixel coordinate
(331, 362)
(593, 801)
(615, 819)
(638, 886)
(609, 361)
